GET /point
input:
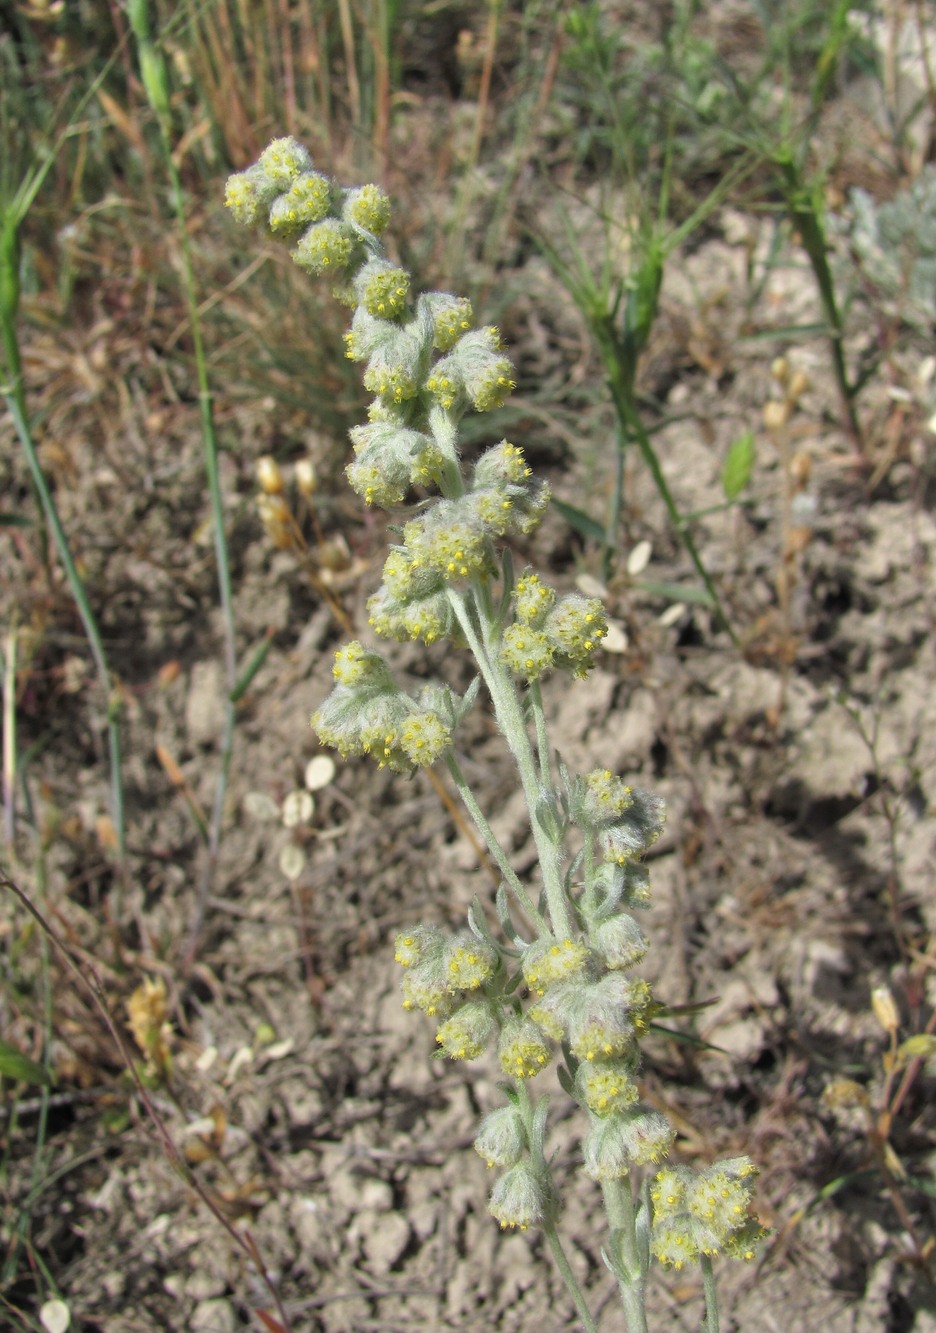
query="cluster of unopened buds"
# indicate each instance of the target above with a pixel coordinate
(560, 983)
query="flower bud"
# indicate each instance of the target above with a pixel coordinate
(367, 207)
(470, 962)
(283, 160)
(674, 1243)
(389, 459)
(533, 600)
(451, 316)
(367, 334)
(708, 1213)
(326, 247)
(608, 1086)
(719, 1198)
(632, 1138)
(249, 194)
(528, 652)
(474, 369)
(421, 951)
(424, 738)
(307, 201)
(417, 944)
(548, 961)
(603, 797)
(392, 369)
(428, 618)
(649, 1137)
(422, 990)
(501, 1139)
(502, 465)
(448, 539)
(575, 627)
(382, 288)
(637, 829)
(465, 1035)
(619, 941)
(356, 665)
(521, 1049)
(668, 1191)
(519, 1198)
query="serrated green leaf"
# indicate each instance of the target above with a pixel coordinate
(739, 465)
(13, 1064)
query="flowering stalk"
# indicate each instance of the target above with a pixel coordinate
(559, 983)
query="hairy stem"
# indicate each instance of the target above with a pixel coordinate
(497, 852)
(622, 1219)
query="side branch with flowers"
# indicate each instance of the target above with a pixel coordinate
(557, 984)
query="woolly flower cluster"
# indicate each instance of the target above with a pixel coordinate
(427, 364)
(367, 713)
(548, 632)
(706, 1213)
(577, 995)
(459, 981)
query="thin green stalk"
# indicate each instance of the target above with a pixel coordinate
(622, 1220)
(12, 215)
(616, 507)
(13, 401)
(493, 846)
(711, 1294)
(803, 208)
(614, 361)
(9, 739)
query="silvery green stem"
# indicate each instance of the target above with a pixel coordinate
(509, 716)
(568, 1277)
(619, 1207)
(588, 872)
(525, 1102)
(535, 695)
(711, 1294)
(477, 814)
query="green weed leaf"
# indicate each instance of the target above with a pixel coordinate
(579, 521)
(15, 1065)
(739, 465)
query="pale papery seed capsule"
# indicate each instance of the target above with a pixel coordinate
(305, 477)
(276, 518)
(776, 414)
(780, 370)
(801, 469)
(799, 383)
(885, 1009)
(269, 475)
